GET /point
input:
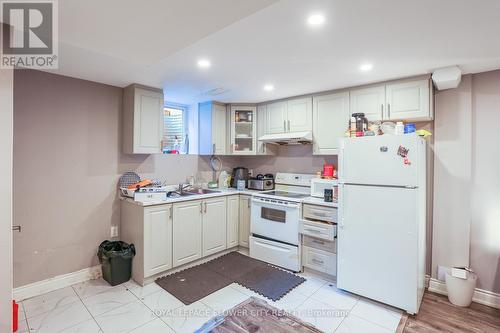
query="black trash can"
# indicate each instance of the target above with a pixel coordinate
(116, 261)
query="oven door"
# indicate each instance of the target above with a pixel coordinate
(275, 220)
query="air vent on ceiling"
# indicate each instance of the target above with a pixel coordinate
(215, 92)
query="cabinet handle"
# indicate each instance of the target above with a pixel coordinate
(389, 110)
(248, 203)
(201, 207)
(16, 228)
(171, 213)
(381, 111)
(289, 126)
(318, 242)
(318, 261)
(284, 125)
(205, 204)
(213, 148)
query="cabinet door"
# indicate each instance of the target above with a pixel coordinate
(232, 220)
(330, 121)
(299, 115)
(408, 100)
(214, 225)
(245, 208)
(276, 117)
(187, 226)
(157, 239)
(243, 130)
(369, 101)
(218, 129)
(148, 121)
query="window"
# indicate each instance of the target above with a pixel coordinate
(174, 134)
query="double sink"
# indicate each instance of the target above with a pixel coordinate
(199, 191)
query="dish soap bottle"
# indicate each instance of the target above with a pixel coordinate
(400, 128)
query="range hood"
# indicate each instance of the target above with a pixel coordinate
(292, 138)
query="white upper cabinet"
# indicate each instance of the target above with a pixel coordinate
(408, 100)
(142, 120)
(214, 225)
(212, 137)
(262, 148)
(400, 100)
(299, 114)
(330, 121)
(276, 117)
(243, 130)
(157, 239)
(294, 115)
(370, 101)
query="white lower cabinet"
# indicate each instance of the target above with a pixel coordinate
(244, 225)
(187, 231)
(214, 225)
(319, 260)
(157, 239)
(232, 220)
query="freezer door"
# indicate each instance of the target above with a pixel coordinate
(377, 244)
(380, 160)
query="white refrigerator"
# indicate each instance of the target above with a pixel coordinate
(382, 219)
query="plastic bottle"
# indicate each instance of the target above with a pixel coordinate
(400, 128)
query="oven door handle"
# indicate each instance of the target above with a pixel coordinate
(290, 205)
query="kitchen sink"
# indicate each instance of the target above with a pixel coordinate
(201, 191)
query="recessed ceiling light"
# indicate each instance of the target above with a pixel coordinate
(316, 19)
(203, 63)
(268, 87)
(366, 67)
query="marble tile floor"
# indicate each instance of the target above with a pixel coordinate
(96, 307)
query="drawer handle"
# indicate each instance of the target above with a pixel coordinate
(318, 261)
(313, 231)
(318, 242)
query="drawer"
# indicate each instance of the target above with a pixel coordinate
(321, 244)
(320, 213)
(319, 260)
(318, 229)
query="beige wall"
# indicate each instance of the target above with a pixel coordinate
(297, 159)
(466, 180)
(67, 162)
(6, 136)
(485, 190)
(452, 176)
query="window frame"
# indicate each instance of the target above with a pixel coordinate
(184, 108)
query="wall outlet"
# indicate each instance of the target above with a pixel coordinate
(114, 231)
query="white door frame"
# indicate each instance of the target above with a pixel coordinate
(6, 146)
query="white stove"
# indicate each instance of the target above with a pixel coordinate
(275, 219)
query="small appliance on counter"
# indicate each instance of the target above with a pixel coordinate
(261, 182)
(239, 173)
(319, 185)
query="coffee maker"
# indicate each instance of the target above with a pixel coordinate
(239, 173)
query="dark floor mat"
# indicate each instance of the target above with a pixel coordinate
(193, 284)
(234, 265)
(270, 281)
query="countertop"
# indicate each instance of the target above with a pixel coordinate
(222, 192)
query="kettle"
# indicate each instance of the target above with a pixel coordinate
(239, 173)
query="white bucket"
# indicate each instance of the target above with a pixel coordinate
(460, 291)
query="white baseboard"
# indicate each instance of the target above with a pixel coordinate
(480, 296)
(57, 282)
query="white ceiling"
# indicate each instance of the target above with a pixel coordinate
(251, 43)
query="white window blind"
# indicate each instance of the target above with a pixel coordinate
(173, 129)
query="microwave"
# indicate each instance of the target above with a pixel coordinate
(319, 185)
